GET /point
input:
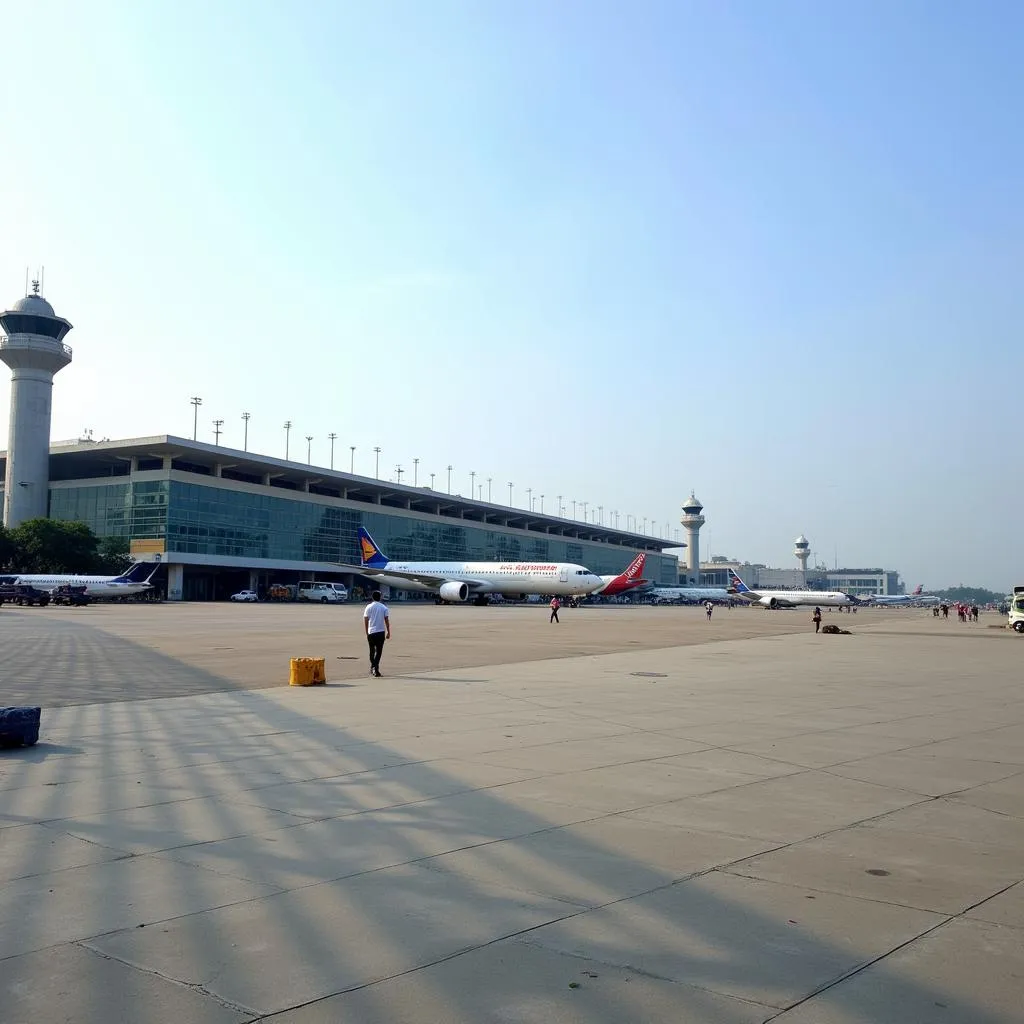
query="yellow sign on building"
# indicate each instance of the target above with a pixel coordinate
(147, 547)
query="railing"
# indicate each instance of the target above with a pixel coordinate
(36, 341)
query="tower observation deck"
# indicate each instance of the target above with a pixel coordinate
(32, 345)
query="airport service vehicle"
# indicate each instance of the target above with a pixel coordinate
(23, 594)
(454, 582)
(66, 594)
(903, 599)
(134, 581)
(245, 595)
(790, 598)
(628, 580)
(1015, 619)
(325, 593)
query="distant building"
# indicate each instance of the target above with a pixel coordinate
(865, 582)
(858, 582)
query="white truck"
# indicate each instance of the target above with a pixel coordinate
(1016, 617)
(324, 593)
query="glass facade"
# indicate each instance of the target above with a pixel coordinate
(224, 521)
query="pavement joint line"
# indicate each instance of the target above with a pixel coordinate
(846, 975)
(856, 896)
(1001, 814)
(152, 924)
(511, 936)
(644, 973)
(903, 789)
(154, 973)
(949, 918)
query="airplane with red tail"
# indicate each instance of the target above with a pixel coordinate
(628, 580)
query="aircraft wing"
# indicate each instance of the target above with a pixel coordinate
(425, 578)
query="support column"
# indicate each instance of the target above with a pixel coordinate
(175, 581)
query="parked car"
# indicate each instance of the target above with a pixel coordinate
(23, 594)
(245, 595)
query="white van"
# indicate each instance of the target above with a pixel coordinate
(325, 593)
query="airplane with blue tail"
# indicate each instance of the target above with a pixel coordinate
(456, 582)
(134, 580)
(790, 598)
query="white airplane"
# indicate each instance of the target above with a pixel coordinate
(134, 581)
(628, 580)
(790, 598)
(696, 594)
(453, 582)
(901, 599)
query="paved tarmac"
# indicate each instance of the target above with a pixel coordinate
(645, 827)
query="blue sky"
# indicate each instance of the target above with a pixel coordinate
(607, 251)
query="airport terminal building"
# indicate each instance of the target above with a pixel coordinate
(222, 520)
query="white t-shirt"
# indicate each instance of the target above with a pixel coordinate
(375, 612)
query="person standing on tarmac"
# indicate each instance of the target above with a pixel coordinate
(709, 608)
(377, 623)
(555, 605)
(816, 619)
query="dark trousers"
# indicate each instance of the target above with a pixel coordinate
(817, 625)
(554, 615)
(376, 642)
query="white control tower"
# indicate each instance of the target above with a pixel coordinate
(32, 346)
(803, 550)
(692, 521)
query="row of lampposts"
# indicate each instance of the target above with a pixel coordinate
(475, 490)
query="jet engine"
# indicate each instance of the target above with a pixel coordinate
(453, 591)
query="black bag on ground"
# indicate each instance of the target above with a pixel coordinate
(19, 726)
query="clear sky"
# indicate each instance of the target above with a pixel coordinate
(770, 251)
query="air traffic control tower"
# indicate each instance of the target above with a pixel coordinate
(692, 521)
(32, 346)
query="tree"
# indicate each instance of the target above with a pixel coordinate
(113, 555)
(50, 545)
(7, 548)
(970, 595)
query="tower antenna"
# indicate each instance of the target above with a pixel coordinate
(42, 281)
(26, 280)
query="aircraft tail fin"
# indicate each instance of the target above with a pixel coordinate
(919, 589)
(370, 554)
(635, 568)
(738, 585)
(138, 572)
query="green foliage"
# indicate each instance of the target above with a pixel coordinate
(50, 545)
(7, 548)
(970, 595)
(113, 555)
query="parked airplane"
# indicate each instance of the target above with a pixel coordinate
(456, 581)
(628, 580)
(663, 595)
(134, 581)
(789, 598)
(898, 599)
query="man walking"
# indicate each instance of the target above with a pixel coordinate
(377, 623)
(816, 619)
(555, 605)
(709, 608)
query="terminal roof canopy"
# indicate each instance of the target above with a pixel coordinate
(82, 460)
